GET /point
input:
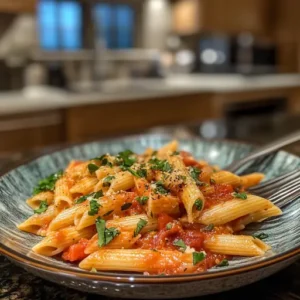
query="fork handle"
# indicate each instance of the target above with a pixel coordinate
(264, 150)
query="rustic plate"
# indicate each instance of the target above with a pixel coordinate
(283, 231)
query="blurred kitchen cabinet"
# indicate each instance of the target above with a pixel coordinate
(17, 6)
(230, 16)
(29, 131)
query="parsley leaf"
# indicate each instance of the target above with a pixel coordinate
(125, 159)
(212, 181)
(94, 207)
(105, 235)
(261, 236)
(107, 180)
(92, 168)
(42, 208)
(139, 173)
(169, 226)
(195, 172)
(209, 227)
(126, 206)
(160, 189)
(48, 183)
(103, 160)
(160, 165)
(242, 196)
(175, 153)
(180, 243)
(198, 257)
(142, 199)
(223, 263)
(140, 225)
(95, 195)
(199, 204)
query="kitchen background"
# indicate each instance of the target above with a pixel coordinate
(73, 71)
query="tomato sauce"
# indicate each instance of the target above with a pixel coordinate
(221, 193)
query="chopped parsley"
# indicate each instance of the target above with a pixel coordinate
(175, 153)
(103, 160)
(48, 183)
(160, 189)
(105, 235)
(42, 208)
(261, 236)
(140, 225)
(95, 195)
(199, 204)
(125, 159)
(94, 207)
(195, 172)
(182, 177)
(242, 196)
(108, 213)
(198, 257)
(160, 165)
(209, 227)
(126, 206)
(92, 168)
(223, 263)
(107, 180)
(169, 226)
(139, 173)
(142, 200)
(180, 243)
(212, 181)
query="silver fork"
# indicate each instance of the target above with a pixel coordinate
(264, 150)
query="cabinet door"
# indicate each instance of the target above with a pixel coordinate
(17, 6)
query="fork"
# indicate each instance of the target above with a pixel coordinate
(281, 190)
(264, 150)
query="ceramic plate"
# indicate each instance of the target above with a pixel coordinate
(283, 231)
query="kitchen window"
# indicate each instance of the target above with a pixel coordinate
(115, 25)
(59, 24)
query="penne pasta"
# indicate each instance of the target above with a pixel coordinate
(84, 185)
(62, 195)
(226, 177)
(251, 179)
(122, 181)
(240, 245)
(35, 201)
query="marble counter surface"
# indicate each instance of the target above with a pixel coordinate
(39, 99)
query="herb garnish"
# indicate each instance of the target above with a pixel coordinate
(169, 226)
(160, 165)
(160, 189)
(103, 160)
(212, 181)
(261, 236)
(209, 227)
(126, 206)
(125, 159)
(199, 204)
(95, 195)
(139, 173)
(42, 208)
(175, 153)
(94, 207)
(242, 196)
(107, 180)
(195, 172)
(140, 225)
(48, 183)
(223, 263)
(198, 257)
(142, 199)
(105, 235)
(180, 243)
(92, 168)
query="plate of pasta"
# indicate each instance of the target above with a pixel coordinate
(147, 217)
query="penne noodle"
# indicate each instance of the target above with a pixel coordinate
(240, 245)
(38, 223)
(123, 181)
(167, 204)
(257, 216)
(35, 201)
(84, 186)
(77, 170)
(125, 240)
(57, 241)
(226, 177)
(138, 260)
(168, 148)
(233, 209)
(62, 195)
(104, 171)
(251, 179)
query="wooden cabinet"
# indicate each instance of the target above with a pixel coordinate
(17, 6)
(229, 16)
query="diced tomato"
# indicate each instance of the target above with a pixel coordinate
(76, 252)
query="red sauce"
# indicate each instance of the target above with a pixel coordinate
(188, 159)
(222, 193)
